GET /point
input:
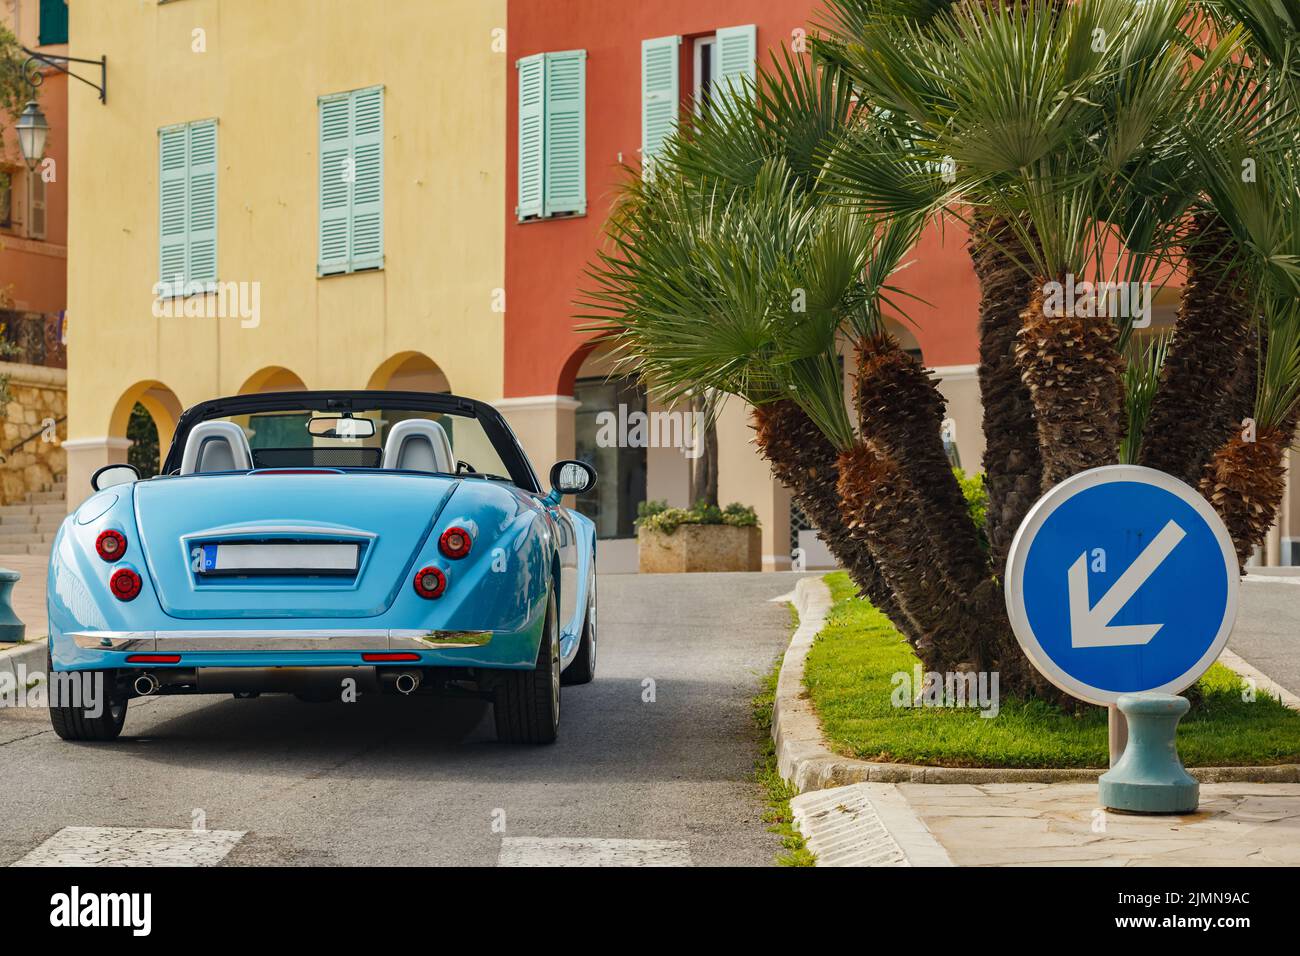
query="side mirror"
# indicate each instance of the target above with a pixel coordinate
(111, 475)
(571, 478)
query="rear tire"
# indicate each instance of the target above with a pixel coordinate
(73, 722)
(582, 669)
(526, 704)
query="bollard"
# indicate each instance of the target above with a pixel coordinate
(1149, 777)
(11, 629)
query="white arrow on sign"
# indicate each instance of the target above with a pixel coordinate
(1089, 627)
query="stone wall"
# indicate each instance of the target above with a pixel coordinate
(37, 406)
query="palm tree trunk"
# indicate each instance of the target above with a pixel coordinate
(881, 507)
(901, 489)
(1183, 429)
(1245, 481)
(1073, 368)
(901, 414)
(804, 460)
(1013, 467)
(1245, 383)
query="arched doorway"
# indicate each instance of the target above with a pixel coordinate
(273, 378)
(409, 372)
(145, 415)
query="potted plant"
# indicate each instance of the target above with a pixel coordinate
(702, 538)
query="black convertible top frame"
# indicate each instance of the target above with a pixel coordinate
(494, 424)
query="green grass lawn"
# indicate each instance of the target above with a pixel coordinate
(849, 675)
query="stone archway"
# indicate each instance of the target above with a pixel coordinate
(273, 378)
(409, 372)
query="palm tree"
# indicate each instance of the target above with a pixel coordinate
(1066, 156)
(1059, 125)
(698, 290)
(1245, 476)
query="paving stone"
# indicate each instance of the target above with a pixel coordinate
(1237, 824)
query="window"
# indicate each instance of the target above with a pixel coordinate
(187, 207)
(6, 199)
(722, 63)
(351, 232)
(706, 63)
(35, 205)
(53, 22)
(552, 135)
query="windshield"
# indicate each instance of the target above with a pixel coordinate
(370, 438)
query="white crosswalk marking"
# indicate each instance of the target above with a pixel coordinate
(133, 846)
(575, 851)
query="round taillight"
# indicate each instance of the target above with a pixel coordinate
(430, 582)
(455, 542)
(125, 584)
(111, 545)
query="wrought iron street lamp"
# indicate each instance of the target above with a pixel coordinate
(32, 127)
(32, 130)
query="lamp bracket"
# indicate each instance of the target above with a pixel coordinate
(34, 77)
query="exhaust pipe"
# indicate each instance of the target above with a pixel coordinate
(407, 682)
(146, 684)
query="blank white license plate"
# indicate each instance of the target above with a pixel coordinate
(279, 557)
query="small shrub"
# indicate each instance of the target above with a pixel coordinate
(657, 516)
(977, 501)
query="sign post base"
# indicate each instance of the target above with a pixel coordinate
(1149, 777)
(1116, 734)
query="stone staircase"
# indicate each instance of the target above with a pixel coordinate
(29, 527)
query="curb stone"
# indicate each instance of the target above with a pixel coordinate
(31, 654)
(1262, 681)
(805, 760)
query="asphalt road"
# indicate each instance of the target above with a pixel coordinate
(423, 781)
(1267, 632)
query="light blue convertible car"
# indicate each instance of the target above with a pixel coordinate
(327, 544)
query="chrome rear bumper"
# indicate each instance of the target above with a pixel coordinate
(381, 639)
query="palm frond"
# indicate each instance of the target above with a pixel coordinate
(744, 293)
(1144, 360)
(1278, 392)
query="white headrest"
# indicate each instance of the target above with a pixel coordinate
(418, 444)
(216, 446)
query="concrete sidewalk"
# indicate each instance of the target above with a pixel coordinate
(1040, 824)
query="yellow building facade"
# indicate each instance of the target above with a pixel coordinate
(240, 98)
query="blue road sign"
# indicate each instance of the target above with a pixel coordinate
(1121, 580)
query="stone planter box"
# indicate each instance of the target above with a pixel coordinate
(700, 547)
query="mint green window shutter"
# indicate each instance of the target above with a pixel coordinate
(660, 95)
(336, 173)
(737, 49)
(367, 231)
(172, 188)
(201, 265)
(566, 133)
(532, 103)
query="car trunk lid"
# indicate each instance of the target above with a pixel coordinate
(285, 543)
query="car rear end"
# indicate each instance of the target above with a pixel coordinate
(297, 580)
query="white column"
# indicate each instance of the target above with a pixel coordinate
(544, 425)
(745, 477)
(85, 457)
